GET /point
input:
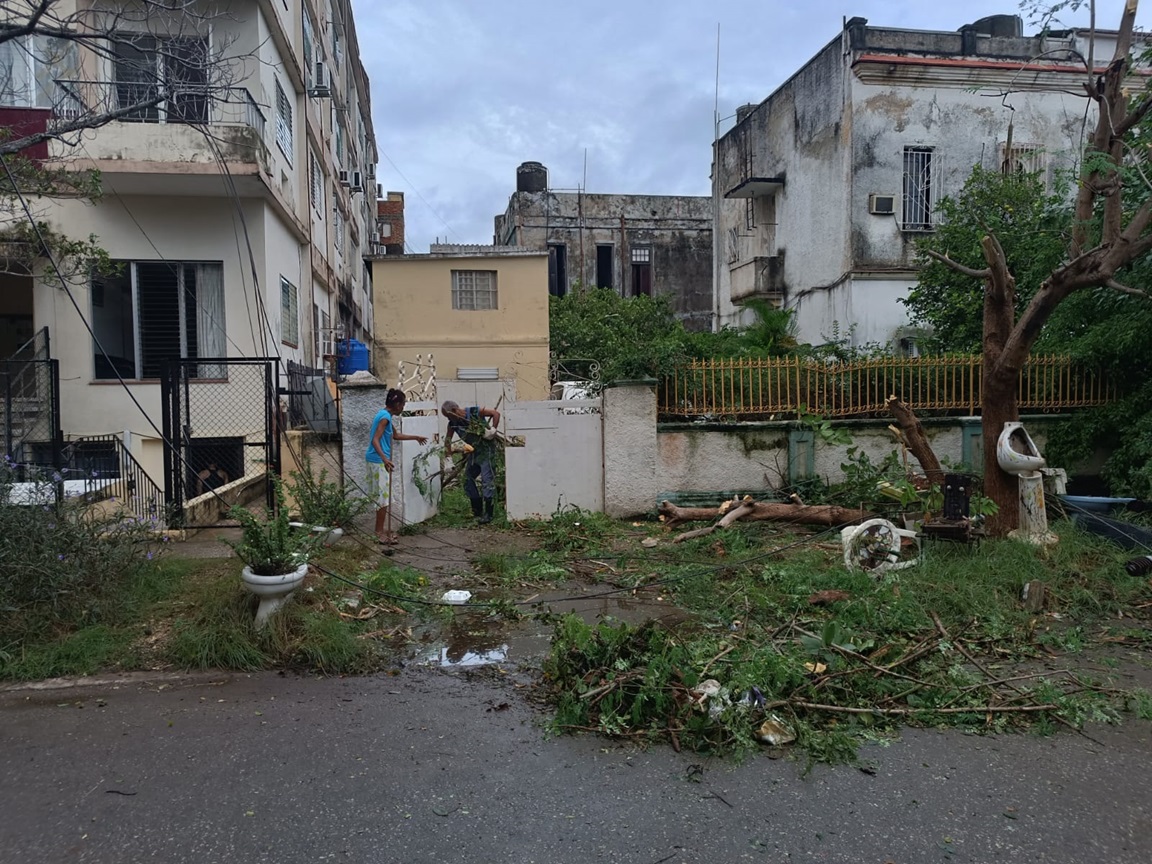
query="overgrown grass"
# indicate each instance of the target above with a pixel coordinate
(195, 614)
(929, 645)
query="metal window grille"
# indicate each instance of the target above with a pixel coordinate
(289, 313)
(921, 188)
(641, 255)
(1024, 159)
(316, 182)
(474, 289)
(283, 123)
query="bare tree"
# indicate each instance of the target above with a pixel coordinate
(1095, 256)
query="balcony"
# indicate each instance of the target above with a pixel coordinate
(181, 135)
(761, 278)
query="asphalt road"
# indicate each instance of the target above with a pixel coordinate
(432, 766)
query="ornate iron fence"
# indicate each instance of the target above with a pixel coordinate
(781, 388)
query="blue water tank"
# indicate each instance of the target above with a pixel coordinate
(353, 356)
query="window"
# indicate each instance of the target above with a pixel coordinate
(641, 271)
(921, 188)
(289, 313)
(156, 311)
(309, 40)
(315, 182)
(283, 122)
(604, 266)
(474, 289)
(144, 67)
(325, 343)
(338, 138)
(1024, 159)
(557, 268)
(38, 72)
(338, 231)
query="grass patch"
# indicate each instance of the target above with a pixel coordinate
(931, 645)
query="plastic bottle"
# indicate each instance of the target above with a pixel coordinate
(1139, 566)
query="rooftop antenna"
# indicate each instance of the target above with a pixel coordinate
(716, 102)
(584, 182)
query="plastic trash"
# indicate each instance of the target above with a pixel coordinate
(773, 731)
(456, 597)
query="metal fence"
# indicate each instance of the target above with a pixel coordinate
(781, 388)
(310, 401)
(30, 405)
(219, 430)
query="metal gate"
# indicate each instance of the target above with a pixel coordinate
(221, 435)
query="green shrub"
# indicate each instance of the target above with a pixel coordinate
(62, 564)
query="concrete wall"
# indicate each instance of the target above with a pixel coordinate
(630, 449)
(676, 228)
(413, 299)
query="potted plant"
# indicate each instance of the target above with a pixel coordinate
(326, 509)
(275, 555)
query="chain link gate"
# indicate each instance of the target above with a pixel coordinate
(221, 435)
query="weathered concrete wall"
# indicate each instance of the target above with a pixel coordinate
(630, 477)
(676, 228)
(797, 134)
(359, 402)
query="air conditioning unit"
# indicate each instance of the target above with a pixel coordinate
(370, 172)
(345, 179)
(357, 182)
(881, 205)
(321, 82)
(374, 239)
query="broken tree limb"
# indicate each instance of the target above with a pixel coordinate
(916, 440)
(734, 515)
(763, 511)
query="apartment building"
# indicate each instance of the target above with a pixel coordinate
(238, 208)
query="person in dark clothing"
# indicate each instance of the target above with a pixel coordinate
(212, 478)
(476, 427)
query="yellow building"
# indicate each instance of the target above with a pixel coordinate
(480, 311)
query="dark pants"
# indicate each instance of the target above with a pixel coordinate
(479, 465)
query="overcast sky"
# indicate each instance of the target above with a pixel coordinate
(463, 91)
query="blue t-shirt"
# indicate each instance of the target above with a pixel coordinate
(383, 416)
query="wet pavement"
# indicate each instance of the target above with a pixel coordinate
(439, 765)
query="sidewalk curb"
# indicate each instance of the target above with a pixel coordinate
(123, 679)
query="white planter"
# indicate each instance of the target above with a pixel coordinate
(273, 591)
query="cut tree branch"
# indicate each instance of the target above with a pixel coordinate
(958, 267)
(763, 511)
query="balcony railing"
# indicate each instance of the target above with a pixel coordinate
(204, 106)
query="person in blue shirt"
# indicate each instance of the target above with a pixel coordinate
(476, 427)
(379, 459)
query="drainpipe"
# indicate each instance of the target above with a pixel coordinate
(623, 255)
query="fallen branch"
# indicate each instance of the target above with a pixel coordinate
(904, 712)
(763, 511)
(916, 440)
(733, 515)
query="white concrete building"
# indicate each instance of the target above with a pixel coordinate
(823, 188)
(241, 219)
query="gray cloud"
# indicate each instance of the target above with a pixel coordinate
(464, 91)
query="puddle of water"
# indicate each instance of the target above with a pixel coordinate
(474, 638)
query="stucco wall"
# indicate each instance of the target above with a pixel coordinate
(798, 134)
(630, 477)
(413, 299)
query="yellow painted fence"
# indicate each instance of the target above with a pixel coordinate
(780, 388)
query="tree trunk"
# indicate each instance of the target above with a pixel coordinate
(999, 407)
(761, 511)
